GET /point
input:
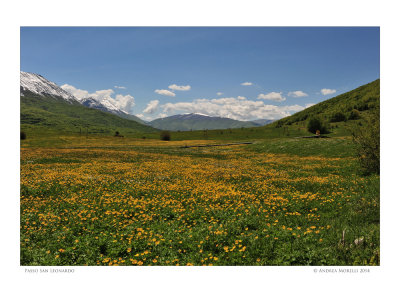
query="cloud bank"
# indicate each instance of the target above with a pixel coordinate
(234, 108)
(246, 83)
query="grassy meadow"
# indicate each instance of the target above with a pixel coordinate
(102, 201)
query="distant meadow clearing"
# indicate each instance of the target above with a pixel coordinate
(147, 202)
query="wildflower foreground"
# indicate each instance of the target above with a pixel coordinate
(158, 204)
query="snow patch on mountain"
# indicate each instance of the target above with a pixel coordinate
(102, 104)
(37, 84)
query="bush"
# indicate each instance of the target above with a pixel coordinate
(338, 117)
(361, 106)
(279, 124)
(23, 135)
(315, 124)
(354, 115)
(367, 142)
(165, 135)
(117, 134)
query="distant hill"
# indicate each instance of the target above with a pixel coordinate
(347, 106)
(52, 113)
(196, 121)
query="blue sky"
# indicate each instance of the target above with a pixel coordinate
(159, 71)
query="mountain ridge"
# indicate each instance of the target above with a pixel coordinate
(197, 121)
(37, 84)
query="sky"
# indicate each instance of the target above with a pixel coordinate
(244, 73)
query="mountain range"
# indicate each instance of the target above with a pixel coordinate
(46, 106)
(36, 84)
(197, 121)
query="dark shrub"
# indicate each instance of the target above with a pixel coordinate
(361, 106)
(23, 135)
(338, 117)
(354, 115)
(165, 135)
(367, 141)
(315, 124)
(279, 124)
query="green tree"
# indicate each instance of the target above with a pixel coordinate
(367, 141)
(315, 124)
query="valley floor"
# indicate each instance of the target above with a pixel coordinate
(111, 201)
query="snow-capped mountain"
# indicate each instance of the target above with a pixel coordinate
(103, 105)
(37, 84)
(107, 106)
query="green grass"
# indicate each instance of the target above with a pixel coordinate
(132, 202)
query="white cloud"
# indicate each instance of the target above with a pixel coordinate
(151, 107)
(179, 87)
(309, 105)
(219, 93)
(162, 115)
(125, 103)
(143, 117)
(122, 102)
(241, 98)
(165, 93)
(327, 91)
(119, 87)
(247, 83)
(102, 94)
(77, 93)
(232, 108)
(297, 94)
(273, 96)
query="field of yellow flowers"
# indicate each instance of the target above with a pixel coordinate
(155, 203)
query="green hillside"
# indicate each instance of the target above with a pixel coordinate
(334, 112)
(46, 115)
